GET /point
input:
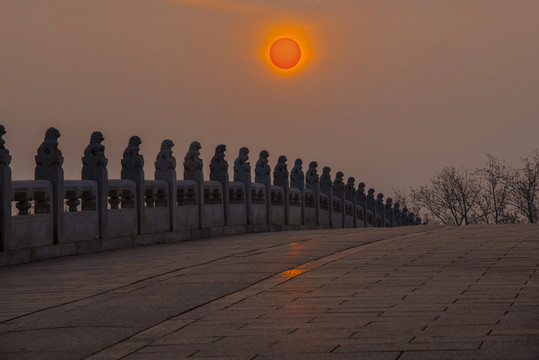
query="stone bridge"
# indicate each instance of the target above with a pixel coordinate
(49, 216)
(415, 292)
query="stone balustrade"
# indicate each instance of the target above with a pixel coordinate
(51, 216)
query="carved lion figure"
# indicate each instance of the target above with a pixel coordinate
(94, 154)
(262, 169)
(242, 167)
(311, 177)
(338, 183)
(371, 201)
(49, 146)
(131, 157)
(5, 158)
(350, 189)
(297, 178)
(218, 164)
(280, 173)
(360, 194)
(192, 160)
(2, 133)
(165, 160)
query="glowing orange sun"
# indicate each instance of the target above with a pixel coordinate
(285, 53)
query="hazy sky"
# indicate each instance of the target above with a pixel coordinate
(392, 91)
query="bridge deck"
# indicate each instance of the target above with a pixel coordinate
(404, 293)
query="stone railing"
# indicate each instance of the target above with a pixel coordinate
(51, 216)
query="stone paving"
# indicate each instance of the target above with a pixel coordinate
(427, 292)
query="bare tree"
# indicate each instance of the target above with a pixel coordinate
(407, 201)
(495, 184)
(450, 197)
(525, 188)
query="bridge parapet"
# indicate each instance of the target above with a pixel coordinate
(51, 216)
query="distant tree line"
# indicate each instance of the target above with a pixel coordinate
(493, 194)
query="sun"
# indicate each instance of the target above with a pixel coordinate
(285, 53)
(287, 49)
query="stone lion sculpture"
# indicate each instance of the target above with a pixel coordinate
(262, 169)
(338, 183)
(280, 173)
(218, 165)
(192, 160)
(350, 189)
(297, 178)
(49, 146)
(165, 160)
(242, 167)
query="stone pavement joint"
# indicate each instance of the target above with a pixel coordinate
(428, 292)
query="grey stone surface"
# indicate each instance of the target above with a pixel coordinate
(430, 292)
(5, 193)
(133, 169)
(49, 161)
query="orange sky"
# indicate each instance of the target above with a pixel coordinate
(392, 92)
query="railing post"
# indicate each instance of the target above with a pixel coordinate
(388, 211)
(219, 173)
(339, 192)
(263, 176)
(165, 169)
(242, 173)
(350, 191)
(49, 161)
(94, 167)
(404, 216)
(380, 208)
(371, 205)
(297, 181)
(326, 187)
(5, 194)
(133, 169)
(280, 178)
(192, 166)
(361, 199)
(396, 214)
(312, 182)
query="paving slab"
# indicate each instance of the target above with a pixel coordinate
(427, 292)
